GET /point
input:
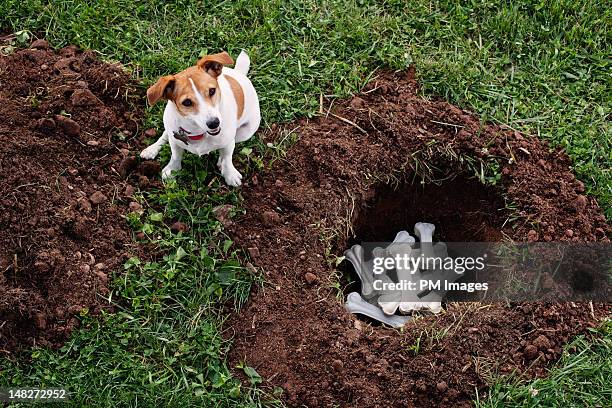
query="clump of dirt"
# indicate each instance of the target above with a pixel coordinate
(68, 124)
(355, 170)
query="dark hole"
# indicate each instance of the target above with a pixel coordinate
(462, 209)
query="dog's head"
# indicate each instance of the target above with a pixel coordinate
(195, 92)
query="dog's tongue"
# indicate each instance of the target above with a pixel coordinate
(196, 137)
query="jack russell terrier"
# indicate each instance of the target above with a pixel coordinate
(210, 107)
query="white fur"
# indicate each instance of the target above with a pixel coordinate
(243, 63)
(232, 130)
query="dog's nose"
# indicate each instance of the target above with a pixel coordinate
(213, 123)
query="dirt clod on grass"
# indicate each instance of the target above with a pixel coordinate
(355, 174)
(67, 123)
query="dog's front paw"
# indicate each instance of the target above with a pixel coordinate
(150, 152)
(167, 172)
(232, 177)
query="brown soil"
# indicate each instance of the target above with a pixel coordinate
(67, 123)
(333, 188)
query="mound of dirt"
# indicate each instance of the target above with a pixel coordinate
(333, 188)
(68, 121)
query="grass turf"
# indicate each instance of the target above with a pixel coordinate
(581, 378)
(541, 67)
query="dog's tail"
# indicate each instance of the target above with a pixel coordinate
(243, 63)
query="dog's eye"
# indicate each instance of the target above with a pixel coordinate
(187, 102)
(212, 91)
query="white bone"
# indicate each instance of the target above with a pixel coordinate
(404, 273)
(389, 308)
(434, 307)
(406, 301)
(355, 304)
(389, 301)
(355, 255)
(425, 231)
(404, 237)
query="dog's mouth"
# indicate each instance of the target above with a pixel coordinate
(214, 132)
(196, 137)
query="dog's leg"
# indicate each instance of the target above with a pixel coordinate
(151, 152)
(174, 163)
(230, 174)
(247, 130)
(220, 162)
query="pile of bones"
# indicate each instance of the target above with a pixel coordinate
(382, 305)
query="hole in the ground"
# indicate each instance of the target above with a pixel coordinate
(462, 210)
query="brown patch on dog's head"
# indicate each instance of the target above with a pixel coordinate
(161, 89)
(213, 64)
(178, 88)
(183, 95)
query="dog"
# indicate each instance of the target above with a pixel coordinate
(210, 107)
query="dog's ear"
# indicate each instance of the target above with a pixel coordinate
(213, 64)
(161, 89)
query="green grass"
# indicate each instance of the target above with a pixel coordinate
(582, 378)
(541, 67)
(164, 346)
